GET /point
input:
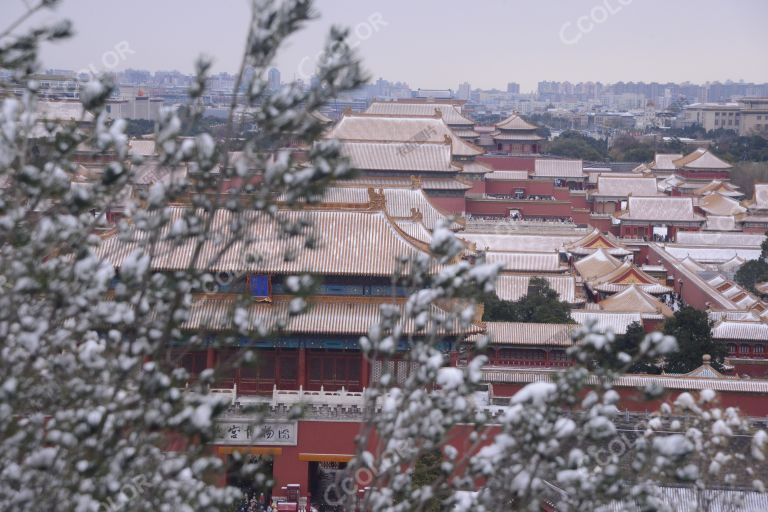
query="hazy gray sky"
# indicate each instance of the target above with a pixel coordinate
(439, 43)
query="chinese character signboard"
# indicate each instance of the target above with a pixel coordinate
(269, 433)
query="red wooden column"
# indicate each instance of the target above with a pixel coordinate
(303, 367)
(365, 374)
(210, 358)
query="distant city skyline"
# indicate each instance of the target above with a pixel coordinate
(433, 45)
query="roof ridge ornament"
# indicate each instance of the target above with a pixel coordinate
(416, 182)
(376, 199)
(416, 215)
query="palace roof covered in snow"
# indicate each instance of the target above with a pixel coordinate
(411, 131)
(450, 114)
(345, 243)
(672, 209)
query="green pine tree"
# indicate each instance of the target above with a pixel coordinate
(693, 330)
(540, 305)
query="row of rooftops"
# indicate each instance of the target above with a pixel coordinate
(369, 229)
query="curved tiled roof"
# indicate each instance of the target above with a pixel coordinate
(716, 204)
(709, 254)
(719, 186)
(611, 186)
(526, 261)
(634, 299)
(673, 209)
(515, 122)
(398, 156)
(346, 317)
(400, 202)
(597, 264)
(519, 333)
(426, 182)
(415, 229)
(465, 134)
(737, 330)
(624, 276)
(732, 264)
(701, 159)
(552, 168)
(720, 239)
(597, 240)
(501, 135)
(507, 175)
(409, 130)
(347, 243)
(665, 161)
(721, 223)
(473, 167)
(656, 289)
(449, 112)
(760, 198)
(692, 264)
(618, 322)
(520, 242)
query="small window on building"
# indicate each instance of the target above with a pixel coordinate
(758, 349)
(260, 285)
(731, 348)
(558, 355)
(744, 349)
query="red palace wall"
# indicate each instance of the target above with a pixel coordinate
(757, 369)
(531, 187)
(334, 440)
(314, 438)
(579, 201)
(692, 293)
(478, 187)
(581, 217)
(602, 224)
(636, 231)
(509, 163)
(455, 205)
(705, 175)
(529, 208)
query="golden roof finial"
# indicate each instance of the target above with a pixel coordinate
(415, 182)
(376, 199)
